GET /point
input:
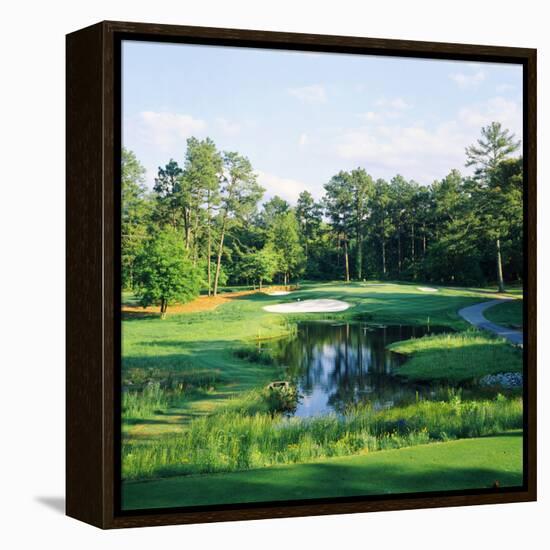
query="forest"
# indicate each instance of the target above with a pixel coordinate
(205, 225)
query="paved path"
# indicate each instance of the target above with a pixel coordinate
(474, 315)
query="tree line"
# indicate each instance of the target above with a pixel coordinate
(204, 225)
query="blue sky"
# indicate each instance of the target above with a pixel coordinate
(301, 117)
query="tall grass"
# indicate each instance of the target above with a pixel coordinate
(232, 441)
(153, 399)
(261, 356)
(140, 404)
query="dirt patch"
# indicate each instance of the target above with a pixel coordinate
(200, 304)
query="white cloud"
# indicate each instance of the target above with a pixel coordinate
(303, 139)
(501, 88)
(286, 188)
(395, 103)
(380, 116)
(389, 109)
(228, 127)
(165, 129)
(470, 80)
(398, 146)
(497, 109)
(309, 94)
(420, 152)
(150, 175)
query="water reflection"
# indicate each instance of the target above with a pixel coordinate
(336, 365)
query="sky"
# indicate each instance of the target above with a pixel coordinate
(302, 117)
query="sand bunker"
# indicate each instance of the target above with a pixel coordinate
(426, 289)
(309, 306)
(278, 293)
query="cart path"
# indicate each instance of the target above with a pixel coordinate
(474, 316)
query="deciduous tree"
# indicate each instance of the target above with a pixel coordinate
(164, 273)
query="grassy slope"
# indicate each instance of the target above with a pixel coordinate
(200, 345)
(508, 314)
(457, 357)
(463, 464)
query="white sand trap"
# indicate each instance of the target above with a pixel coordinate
(278, 293)
(426, 289)
(309, 306)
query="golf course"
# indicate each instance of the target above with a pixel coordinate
(361, 338)
(202, 422)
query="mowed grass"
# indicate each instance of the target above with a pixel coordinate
(463, 464)
(458, 357)
(393, 303)
(197, 350)
(508, 314)
(209, 394)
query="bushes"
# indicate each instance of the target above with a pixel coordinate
(163, 271)
(232, 441)
(281, 397)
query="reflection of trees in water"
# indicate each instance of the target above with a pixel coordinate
(348, 361)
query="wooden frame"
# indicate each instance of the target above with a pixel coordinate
(93, 335)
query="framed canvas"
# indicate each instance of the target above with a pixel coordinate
(301, 274)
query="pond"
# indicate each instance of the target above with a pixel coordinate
(338, 364)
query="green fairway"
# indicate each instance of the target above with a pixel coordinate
(463, 464)
(457, 357)
(394, 303)
(197, 350)
(508, 314)
(190, 367)
(277, 349)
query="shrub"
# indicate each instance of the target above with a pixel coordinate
(282, 397)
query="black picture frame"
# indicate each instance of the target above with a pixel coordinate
(93, 270)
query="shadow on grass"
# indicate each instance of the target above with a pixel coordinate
(473, 358)
(205, 362)
(512, 434)
(307, 481)
(149, 421)
(138, 315)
